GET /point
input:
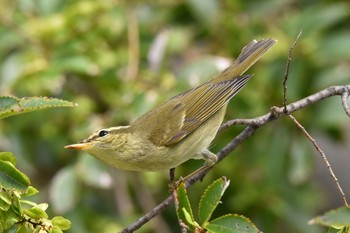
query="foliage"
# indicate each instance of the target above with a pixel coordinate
(118, 59)
(338, 220)
(17, 214)
(210, 199)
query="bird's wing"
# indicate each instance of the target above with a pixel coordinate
(180, 116)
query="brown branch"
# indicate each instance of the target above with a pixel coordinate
(252, 125)
(344, 102)
(324, 157)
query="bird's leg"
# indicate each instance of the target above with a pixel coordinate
(210, 160)
(209, 157)
(172, 183)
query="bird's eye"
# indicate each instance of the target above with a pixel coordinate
(102, 133)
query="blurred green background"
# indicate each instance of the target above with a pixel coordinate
(118, 59)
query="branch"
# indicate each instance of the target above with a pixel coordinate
(252, 125)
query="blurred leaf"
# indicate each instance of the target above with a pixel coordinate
(10, 106)
(62, 223)
(93, 172)
(35, 213)
(211, 198)
(332, 49)
(8, 156)
(337, 218)
(64, 190)
(30, 192)
(11, 178)
(56, 229)
(206, 11)
(5, 201)
(231, 224)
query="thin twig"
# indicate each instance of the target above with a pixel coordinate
(324, 157)
(286, 73)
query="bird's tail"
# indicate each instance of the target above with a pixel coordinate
(249, 55)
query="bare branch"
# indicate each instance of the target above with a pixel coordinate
(324, 157)
(344, 102)
(286, 73)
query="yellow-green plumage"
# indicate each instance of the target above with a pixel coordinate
(178, 130)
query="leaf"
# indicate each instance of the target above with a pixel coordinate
(56, 230)
(64, 190)
(231, 223)
(11, 178)
(337, 218)
(35, 213)
(30, 192)
(62, 223)
(10, 106)
(211, 198)
(184, 211)
(93, 172)
(8, 156)
(5, 201)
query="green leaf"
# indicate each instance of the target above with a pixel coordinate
(56, 229)
(211, 198)
(337, 218)
(5, 201)
(11, 178)
(333, 230)
(13, 229)
(35, 213)
(10, 106)
(25, 228)
(64, 190)
(93, 172)
(30, 192)
(231, 223)
(62, 223)
(8, 156)
(184, 211)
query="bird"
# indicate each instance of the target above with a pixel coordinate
(180, 129)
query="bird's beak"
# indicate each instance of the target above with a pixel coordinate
(78, 146)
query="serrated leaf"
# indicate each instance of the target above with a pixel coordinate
(62, 223)
(211, 198)
(11, 178)
(337, 218)
(8, 156)
(184, 212)
(35, 213)
(231, 223)
(10, 106)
